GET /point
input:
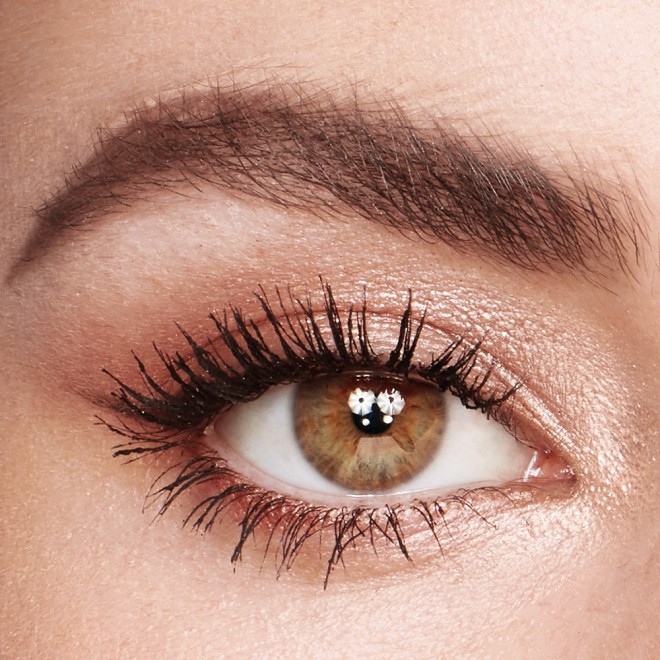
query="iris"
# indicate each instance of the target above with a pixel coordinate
(368, 432)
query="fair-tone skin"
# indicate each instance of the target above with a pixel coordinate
(569, 571)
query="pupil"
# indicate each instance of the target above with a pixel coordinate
(376, 421)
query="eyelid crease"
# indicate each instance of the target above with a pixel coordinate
(308, 150)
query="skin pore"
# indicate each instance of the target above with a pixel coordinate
(570, 569)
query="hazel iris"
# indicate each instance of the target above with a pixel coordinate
(368, 432)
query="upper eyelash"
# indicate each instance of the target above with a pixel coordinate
(206, 384)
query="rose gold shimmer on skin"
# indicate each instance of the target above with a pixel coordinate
(499, 159)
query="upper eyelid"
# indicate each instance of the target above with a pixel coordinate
(307, 348)
(310, 148)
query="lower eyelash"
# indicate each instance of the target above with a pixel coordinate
(290, 524)
(238, 366)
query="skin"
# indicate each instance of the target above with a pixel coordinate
(84, 573)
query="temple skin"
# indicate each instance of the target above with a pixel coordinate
(566, 91)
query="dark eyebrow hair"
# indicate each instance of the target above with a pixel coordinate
(308, 150)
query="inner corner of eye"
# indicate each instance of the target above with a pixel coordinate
(370, 434)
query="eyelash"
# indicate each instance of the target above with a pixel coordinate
(239, 365)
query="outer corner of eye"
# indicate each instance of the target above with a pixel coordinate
(548, 468)
(373, 434)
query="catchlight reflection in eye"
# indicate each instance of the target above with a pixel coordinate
(366, 434)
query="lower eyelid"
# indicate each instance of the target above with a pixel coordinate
(254, 520)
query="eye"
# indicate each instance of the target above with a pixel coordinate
(293, 424)
(366, 434)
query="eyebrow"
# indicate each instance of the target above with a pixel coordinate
(335, 158)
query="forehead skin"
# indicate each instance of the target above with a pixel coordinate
(561, 78)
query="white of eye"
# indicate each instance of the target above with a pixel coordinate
(259, 441)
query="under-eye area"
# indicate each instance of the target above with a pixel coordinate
(296, 423)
